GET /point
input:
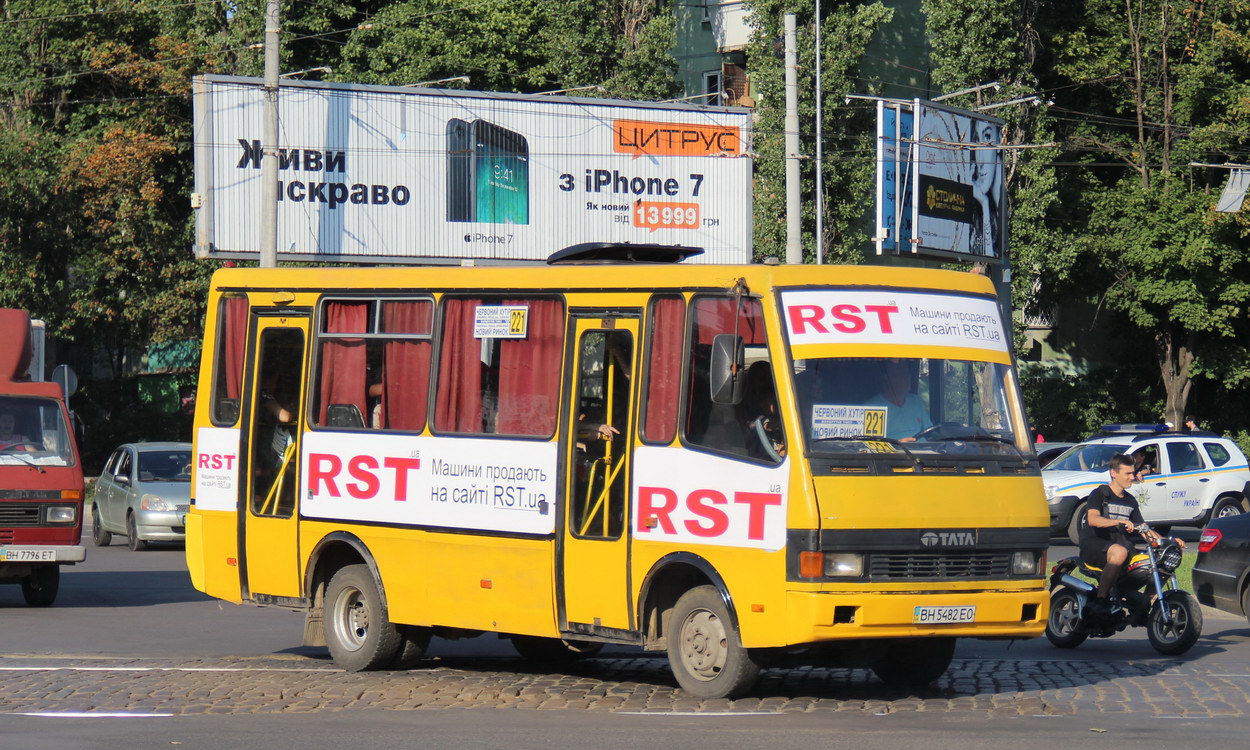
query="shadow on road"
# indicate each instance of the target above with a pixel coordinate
(132, 588)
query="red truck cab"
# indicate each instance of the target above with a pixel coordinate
(41, 487)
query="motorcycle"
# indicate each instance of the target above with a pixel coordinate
(1146, 594)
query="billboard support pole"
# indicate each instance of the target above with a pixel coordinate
(269, 158)
(794, 229)
(820, 153)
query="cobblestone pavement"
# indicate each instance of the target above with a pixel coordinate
(1158, 688)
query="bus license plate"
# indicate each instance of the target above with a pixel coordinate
(943, 615)
(10, 554)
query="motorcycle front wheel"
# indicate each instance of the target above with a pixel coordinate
(1063, 624)
(1179, 635)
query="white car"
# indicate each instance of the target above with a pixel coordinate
(1190, 477)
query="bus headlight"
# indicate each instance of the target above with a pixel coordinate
(152, 502)
(844, 564)
(1025, 564)
(60, 514)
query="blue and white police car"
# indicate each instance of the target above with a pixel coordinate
(1187, 477)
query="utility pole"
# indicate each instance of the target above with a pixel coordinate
(794, 227)
(820, 152)
(269, 158)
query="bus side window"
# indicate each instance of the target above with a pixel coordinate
(665, 329)
(378, 380)
(500, 386)
(731, 428)
(231, 348)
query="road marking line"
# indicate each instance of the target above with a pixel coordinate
(86, 715)
(166, 669)
(700, 713)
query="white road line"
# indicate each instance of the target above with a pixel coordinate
(165, 669)
(86, 715)
(699, 713)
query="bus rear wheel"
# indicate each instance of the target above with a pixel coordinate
(358, 633)
(705, 649)
(915, 662)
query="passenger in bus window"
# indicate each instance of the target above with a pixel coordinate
(906, 413)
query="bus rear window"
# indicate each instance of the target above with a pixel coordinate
(502, 385)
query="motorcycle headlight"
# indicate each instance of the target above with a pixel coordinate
(153, 502)
(1170, 557)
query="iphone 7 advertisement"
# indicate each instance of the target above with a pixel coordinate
(487, 173)
(379, 174)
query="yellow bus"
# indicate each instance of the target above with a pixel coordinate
(738, 465)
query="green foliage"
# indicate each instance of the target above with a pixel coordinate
(849, 155)
(525, 45)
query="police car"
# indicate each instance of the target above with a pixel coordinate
(1188, 477)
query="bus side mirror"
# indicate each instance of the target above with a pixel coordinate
(725, 373)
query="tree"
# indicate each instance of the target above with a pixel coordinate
(849, 155)
(525, 46)
(1155, 86)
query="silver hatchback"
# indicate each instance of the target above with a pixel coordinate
(143, 494)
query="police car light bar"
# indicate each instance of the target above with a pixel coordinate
(1133, 429)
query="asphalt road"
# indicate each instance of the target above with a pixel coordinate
(128, 630)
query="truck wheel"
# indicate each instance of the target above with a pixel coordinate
(1178, 636)
(705, 650)
(1062, 624)
(132, 535)
(358, 633)
(101, 537)
(553, 650)
(40, 587)
(915, 662)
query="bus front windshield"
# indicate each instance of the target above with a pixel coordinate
(924, 407)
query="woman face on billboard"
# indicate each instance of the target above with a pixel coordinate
(986, 164)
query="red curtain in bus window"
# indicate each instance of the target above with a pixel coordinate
(716, 315)
(342, 378)
(664, 375)
(234, 341)
(406, 374)
(529, 372)
(458, 402)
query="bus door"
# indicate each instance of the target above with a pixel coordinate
(270, 524)
(594, 549)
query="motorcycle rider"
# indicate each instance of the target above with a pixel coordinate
(1113, 514)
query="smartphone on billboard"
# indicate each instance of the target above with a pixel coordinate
(460, 202)
(500, 175)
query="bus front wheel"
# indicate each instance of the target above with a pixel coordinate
(358, 633)
(914, 662)
(705, 649)
(40, 587)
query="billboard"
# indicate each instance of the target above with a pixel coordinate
(944, 167)
(385, 174)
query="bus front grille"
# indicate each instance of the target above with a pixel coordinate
(19, 514)
(939, 565)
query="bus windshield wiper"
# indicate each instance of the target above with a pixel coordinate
(870, 439)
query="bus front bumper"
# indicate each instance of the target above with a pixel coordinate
(822, 616)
